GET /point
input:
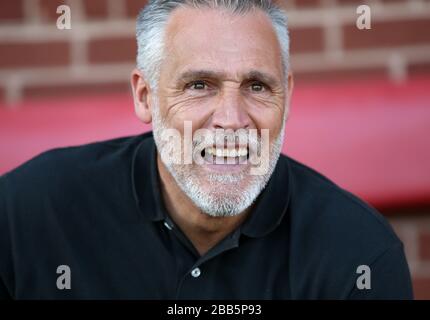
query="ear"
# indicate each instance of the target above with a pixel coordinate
(141, 97)
(290, 88)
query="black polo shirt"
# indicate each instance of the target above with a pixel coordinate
(98, 210)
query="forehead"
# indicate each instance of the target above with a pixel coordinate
(216, 38)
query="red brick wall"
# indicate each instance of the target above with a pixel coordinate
(97, 54)
(39, 60)
(414, 230)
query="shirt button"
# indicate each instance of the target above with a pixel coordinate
(196, 272)
(167, 225)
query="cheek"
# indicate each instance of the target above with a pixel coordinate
(269, 120)
(196, 112)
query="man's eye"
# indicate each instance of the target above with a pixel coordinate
(198, 85)
(257, 87)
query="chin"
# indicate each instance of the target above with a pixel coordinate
(223, 198)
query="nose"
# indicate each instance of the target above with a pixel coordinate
(230, 112)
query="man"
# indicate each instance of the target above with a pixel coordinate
(166, 217)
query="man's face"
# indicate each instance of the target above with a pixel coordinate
(221, 71)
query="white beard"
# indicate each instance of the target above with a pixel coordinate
(217, 194)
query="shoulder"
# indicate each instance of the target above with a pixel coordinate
(335, 218)
(333, 232)
(64, 172)
(76, 156)
(59, 161)
(321, 198)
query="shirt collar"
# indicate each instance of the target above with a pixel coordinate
(272, 203)
(269, 209)
(146, 182)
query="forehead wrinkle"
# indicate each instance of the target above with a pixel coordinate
(199, 73)
(177, 31)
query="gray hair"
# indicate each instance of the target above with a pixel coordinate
(152, 21)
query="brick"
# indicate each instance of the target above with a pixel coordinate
(112, 50)
(388, 34)
(419, 68)
(284, 4)
(2, 95)
(357, 3)
(96, 9)
(22, 55)
(421, 288)
(339, 75)
(69, 90)
(11, 11)
(307, 3)
(306, 39)
(48, 9)
(393, 1)
(424, 245)
(133, 7)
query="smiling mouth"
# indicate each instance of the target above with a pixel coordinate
(223, 156)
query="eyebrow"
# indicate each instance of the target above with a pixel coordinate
(190, 75)
(263, 77)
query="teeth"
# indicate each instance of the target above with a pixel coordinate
(243, 152)
(232, 153)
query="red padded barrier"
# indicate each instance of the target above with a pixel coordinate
(371, 137)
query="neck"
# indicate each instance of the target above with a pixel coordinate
(203, 230)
